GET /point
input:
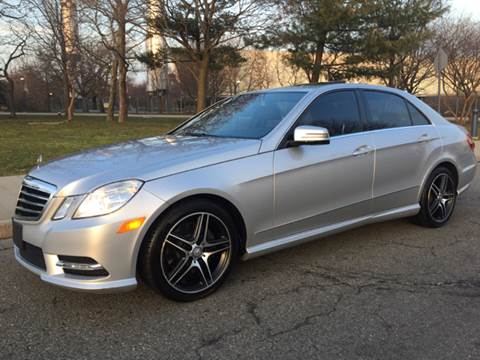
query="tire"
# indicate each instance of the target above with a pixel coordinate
(182, 260)
(437, 204)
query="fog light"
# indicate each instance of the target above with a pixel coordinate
(79, 265)
(130, 225)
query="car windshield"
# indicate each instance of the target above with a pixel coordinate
(250, 116)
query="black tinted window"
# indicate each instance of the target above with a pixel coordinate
(386, 110)
(417, 117)
(337, 112)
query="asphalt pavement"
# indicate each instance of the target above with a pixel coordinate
(386, 291)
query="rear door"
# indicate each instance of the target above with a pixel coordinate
(404, 141)
(320, 185)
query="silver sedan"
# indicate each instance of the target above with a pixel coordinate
(252, 174)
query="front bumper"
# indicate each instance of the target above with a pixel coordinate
(76, 284)
(94, 238)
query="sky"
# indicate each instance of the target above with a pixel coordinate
(458, 7)
(466, 7)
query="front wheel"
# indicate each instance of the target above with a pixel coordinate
(191, 250)
(438, 199)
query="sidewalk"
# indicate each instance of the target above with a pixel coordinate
(132, 114)
(10, 186)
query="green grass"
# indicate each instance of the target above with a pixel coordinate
(23, 139)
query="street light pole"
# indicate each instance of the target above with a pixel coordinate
(440, 63)
(24, 93)
(50, 96)
(439, 92)
(475, 122)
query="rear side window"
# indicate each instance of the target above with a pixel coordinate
(417, 117)
(337, 112)
(386, 110)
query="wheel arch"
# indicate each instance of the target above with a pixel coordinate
(447, 163)
(222, 201)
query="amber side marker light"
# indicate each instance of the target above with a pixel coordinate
(130, 225)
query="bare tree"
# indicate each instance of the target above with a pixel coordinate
(18, 50)
(10, 10)
(12, 45)
(93, 65)
(417, 70)
(53, 29)
(119, 24)
(69, 51)
(287, 75)
(112, 89)
(461, 40)
(255, 74)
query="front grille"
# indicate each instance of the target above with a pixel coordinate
(33, 198)
(33, 255)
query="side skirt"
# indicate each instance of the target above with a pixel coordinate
(295, 239)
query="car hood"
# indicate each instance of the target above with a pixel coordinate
(143, 159)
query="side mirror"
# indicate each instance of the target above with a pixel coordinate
(310, 135)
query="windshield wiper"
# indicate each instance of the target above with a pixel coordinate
(197, 134)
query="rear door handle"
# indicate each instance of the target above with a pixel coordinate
(362, 150)
(424, 138)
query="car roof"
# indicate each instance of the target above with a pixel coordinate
(323, 87)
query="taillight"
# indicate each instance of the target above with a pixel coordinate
(470, 142)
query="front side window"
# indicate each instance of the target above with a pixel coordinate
(386, 110)
(249, 116)
(336, 111)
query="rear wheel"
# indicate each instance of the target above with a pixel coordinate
(191, 250)
(438, 198)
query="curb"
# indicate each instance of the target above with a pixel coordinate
(5, 229)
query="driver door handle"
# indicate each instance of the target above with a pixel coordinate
(362, 150)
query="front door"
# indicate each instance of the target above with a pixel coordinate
(321, 185)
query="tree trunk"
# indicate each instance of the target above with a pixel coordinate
(122, 70)
(122, 92)
(202, 84)
(317, 65)
(70, 104)
(11, 97)
(113, 90)
(69, 31)
(84, 104)
(101, 106)
(391, 72)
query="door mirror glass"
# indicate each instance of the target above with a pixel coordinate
(310, 135)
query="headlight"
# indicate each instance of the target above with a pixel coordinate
(108, 198)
